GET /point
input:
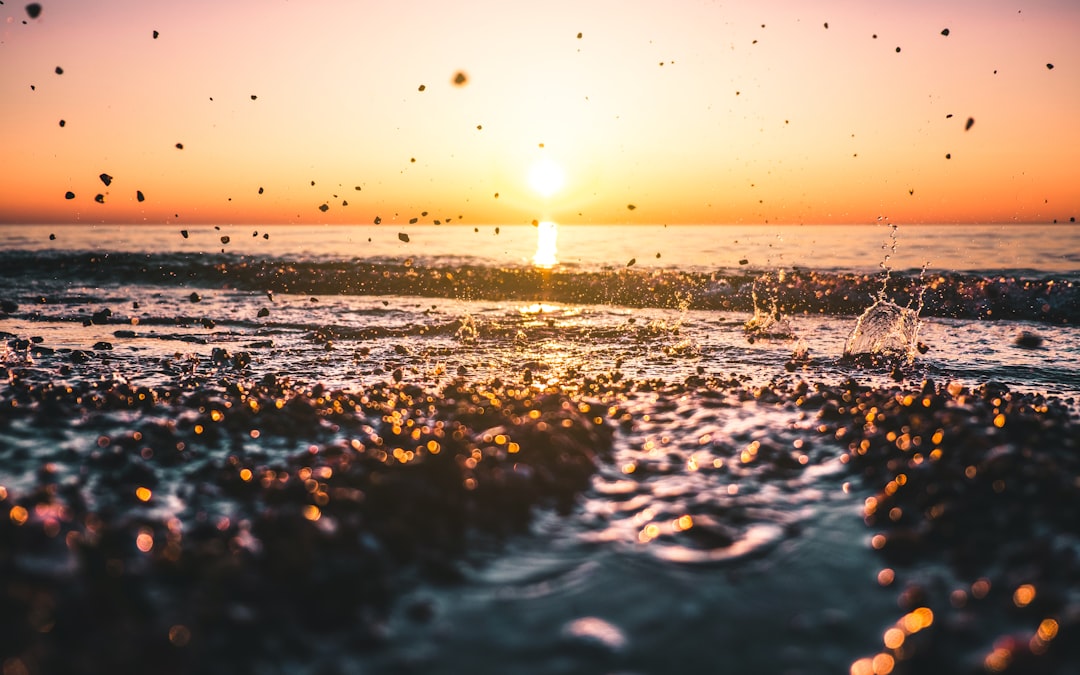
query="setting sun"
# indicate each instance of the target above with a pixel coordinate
(546, 177)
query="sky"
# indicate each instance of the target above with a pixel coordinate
(337, 111)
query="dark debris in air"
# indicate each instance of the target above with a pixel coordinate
(403, 237)
(631, 207)
(324, 207)
(69, 195)
(460, 78)
(970, 123)
(1049, 66)
(421, 88)
(631, 262)
(945, 32)
(59, 70)
(225, 239)
(179, 146)
(140, 196)
(106, 178)
(33, 10)
(156, 35)
(62, 124)
(378, 220)
(184, 234)
(99, 198)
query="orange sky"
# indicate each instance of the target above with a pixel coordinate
(693, 112)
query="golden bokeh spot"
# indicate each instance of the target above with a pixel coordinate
(998, 660)
(245, 475)
(886, 576)
(18, 515)
(878, 541)
(893, 638)
(862, 667)
(143, 494)
(683, 523)
(1048, 630)
(145, 542)
(980, 588)
(312, 512)
(999, 421)
(1023, 596)
(883, 664)
(648, 533)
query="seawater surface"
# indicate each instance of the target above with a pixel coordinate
(427, 453)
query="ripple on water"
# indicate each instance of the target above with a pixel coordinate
(701, 485)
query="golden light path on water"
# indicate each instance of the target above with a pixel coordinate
(547, 254)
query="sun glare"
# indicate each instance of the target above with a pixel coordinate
(547, 255)
(546, 177)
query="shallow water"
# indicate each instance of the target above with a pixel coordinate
(724, 526)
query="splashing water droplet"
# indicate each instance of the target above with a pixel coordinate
(885, 329)
(768, 320)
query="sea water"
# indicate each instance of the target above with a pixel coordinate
(727, 527)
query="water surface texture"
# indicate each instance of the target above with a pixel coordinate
(425, 449)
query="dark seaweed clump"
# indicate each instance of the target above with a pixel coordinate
(152, 533)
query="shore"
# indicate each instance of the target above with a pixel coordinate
(229, 524)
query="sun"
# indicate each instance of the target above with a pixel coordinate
(546, 177)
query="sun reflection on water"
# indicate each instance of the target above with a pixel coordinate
(547, 233)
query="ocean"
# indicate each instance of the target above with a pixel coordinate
(417, 448)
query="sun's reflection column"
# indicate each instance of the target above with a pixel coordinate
(547, 254)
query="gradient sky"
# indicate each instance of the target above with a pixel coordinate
(692, 112)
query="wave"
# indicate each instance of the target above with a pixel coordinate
(1029, 296)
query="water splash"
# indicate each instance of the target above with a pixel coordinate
(768, 320)
(467, 331)
(886, 329)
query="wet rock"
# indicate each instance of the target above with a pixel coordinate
(1028, 340)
